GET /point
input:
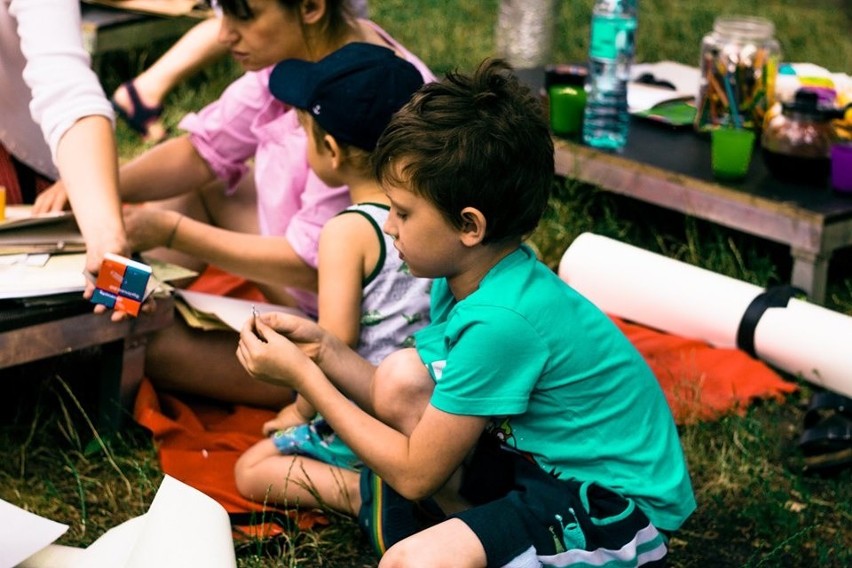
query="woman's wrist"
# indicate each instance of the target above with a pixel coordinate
(170, 240)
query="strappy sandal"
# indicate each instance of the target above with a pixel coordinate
(826, 441)
(140, 117)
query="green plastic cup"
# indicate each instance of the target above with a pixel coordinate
(567, 103)
(731, 150)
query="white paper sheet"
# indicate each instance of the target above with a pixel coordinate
(641, 97)
(24, 533)
(232, 311)
(60, 274)
(626, 281)
(657, 291)
(183, 527)
(18, 216)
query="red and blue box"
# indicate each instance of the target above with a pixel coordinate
(121, 284)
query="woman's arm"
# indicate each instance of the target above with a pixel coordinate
(75, 117)
(263, 258)
(169, 169)
(86, 157)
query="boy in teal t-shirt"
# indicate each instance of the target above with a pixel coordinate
(524, 429)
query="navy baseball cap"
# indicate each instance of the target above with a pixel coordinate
(351, 93)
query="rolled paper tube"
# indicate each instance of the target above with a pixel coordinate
(650, 289)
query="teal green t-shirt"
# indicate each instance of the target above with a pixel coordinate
(560, 382)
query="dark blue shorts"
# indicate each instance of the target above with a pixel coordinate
(524, 516)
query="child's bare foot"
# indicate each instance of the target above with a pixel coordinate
(288, 417)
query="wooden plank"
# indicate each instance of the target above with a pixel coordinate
(70, 334)
(778, 221)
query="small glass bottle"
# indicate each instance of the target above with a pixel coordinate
(739, 64)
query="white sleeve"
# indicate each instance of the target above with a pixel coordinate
(64, 87)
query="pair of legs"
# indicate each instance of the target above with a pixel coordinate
(265, 475)
(401, 389)
(183, 359)
(196, 49)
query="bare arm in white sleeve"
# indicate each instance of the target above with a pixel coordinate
(75, 117)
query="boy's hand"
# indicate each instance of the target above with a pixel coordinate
(269, 356)
(300, 330)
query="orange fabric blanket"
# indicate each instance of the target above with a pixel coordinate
(199, 443)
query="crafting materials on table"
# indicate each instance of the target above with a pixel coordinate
(795, 336)
(739, 63)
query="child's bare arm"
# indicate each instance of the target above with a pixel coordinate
(341, 274)
(416, 465)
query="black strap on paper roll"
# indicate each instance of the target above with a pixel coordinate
(775, 297)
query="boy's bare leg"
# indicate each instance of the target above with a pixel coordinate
(400, 391)
(301, 481)
(450, 543)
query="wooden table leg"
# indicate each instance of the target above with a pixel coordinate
(810, 273)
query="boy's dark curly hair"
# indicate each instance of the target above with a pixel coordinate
(473, 141)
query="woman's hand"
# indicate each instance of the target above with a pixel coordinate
(148, 227)
(54, 198)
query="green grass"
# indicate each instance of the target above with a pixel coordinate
(756, 507)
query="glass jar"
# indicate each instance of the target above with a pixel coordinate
(797, 143)
(739, 63)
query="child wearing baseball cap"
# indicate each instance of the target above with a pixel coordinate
(367, 297)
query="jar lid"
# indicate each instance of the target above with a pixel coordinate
(565, 74)
(806, 105)
(744, 27)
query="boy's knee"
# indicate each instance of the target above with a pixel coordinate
(400, 555)
(401, 389)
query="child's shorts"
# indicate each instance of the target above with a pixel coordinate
(540, 520)
(316, 440)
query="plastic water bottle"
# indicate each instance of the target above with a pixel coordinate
(611, 50)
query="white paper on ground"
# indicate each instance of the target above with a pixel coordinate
(24, 533)
(183, 527)
(626, 281)
(232, 311)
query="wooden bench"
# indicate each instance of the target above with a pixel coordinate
(74, 327)
(108, 29)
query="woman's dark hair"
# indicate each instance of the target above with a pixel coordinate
(339, 12)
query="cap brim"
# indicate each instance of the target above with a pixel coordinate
(291, 82)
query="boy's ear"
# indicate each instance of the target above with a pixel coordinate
(473, 226)
(333, 149)
(313, 11)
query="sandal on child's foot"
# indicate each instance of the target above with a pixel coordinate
(140, 117)
(386, 517)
